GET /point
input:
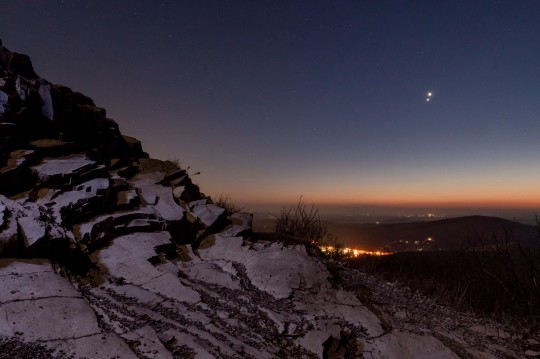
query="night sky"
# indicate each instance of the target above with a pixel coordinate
(271, 100)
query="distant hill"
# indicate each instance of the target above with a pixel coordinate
(434, 235)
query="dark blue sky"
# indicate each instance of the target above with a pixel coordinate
(274, 99)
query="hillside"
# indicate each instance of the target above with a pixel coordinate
(107, 253)
(449, 233)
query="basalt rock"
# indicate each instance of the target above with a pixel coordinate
(32, 108)
(71, 182)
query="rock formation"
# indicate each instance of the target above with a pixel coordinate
(106, 253)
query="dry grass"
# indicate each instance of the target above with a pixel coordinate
(301, 222)
(226, 203)
(500, 282)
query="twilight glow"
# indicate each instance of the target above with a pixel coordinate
(425, 103)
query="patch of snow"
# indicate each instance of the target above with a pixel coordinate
(85, 229)
(140, 294)
(196, 203)
(51, 167)
(313, 340)
(355, 314)
(21, 88)
(407, 346)
(3, 209)
(208, 213)
(277, 318)
(274, 268)
(3, 101)
(177, 191)
(209, 273)
(193, 342)
(241, 222)
(72, 317)
(33, 285)
(21, 267)
(169, 286)
(19, 161)
(32, 230)
(98, 346)
(164, 205)
(128, 196)
(83, 192)
(149, 344)
(127, 257)
(47, 108)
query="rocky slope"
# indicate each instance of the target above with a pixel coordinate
(106, 253)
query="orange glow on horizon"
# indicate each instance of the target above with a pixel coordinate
(516, 196)
(528, 202)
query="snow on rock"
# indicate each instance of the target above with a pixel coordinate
(9, 226)
(3, 210)
(178, 191)
(209, 273)
(241, 223)
(157, 195)
(272, 268)
(164, 205)
(313, 340)
(47, 107)
(209, 214)
(32, 230)
(79, 196)
(21, 88)
(407, 346)
(128, 258)
(34, 297)
(85, 231)
(73, 316)
(97, 346)
(148, 343)
(32, 280)
(61, 166)
(3, 101)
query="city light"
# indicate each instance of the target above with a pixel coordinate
(352, 252)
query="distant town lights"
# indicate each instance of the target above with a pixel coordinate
(352, 252)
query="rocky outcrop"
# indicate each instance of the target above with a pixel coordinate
(32, 108)
(106, 253)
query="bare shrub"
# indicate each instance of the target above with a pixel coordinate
(226, 203)
(175, 161)
(178, 164)
(514, 273)
(301, 222)
(500, 281)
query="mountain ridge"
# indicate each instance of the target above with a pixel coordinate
(447, 233)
